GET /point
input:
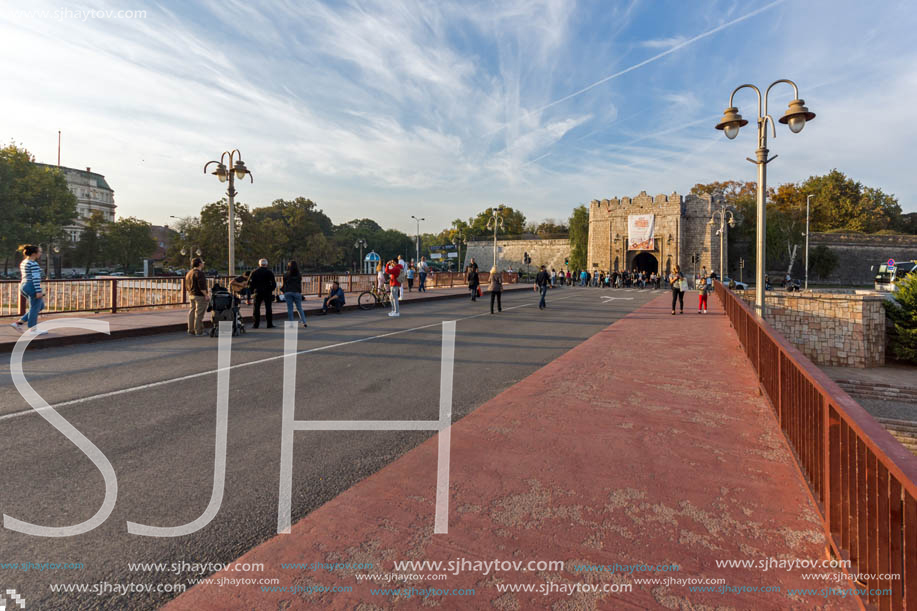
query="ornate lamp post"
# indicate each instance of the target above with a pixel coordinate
(495, 222)
(361, 244)
(417, 238)
(723, 212)
(795, 118)
(238, 170)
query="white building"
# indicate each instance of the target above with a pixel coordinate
(92, 193)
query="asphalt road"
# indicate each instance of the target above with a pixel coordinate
(142, 403)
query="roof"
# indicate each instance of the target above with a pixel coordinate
(100, 179)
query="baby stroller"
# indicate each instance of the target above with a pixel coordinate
(224, 306)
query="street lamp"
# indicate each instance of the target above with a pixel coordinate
(223, 172)
(417, 240)
(361, 244)
(184, 252)
(495, 222)
(457, 241)
(808, 199)
(723, 211)
(795, 118)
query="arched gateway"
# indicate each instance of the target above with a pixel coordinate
(653, 233)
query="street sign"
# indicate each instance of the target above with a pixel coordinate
(891, 262)
(435, 255)
(452, 255)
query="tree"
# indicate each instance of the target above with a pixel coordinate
(822, 261)
(127, 241)
(903, 314)
(513, 222)
(35, 201)
(90, 248)
(551, 227)
(841, 203)
(579, 237)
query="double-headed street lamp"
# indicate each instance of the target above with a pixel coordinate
(238, 170)
(795, 118)
(722, 212)
(457, 241)
(361, 244)
(496, 222)
(417, 239)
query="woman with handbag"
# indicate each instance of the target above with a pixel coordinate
(678, 284)
(496, 289)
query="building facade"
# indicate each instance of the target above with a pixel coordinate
(92, 194)
(681, 233)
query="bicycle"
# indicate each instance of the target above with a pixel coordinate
(374, 297)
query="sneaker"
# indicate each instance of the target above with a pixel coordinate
(705, 311)
(391, 313)
(304, 325)
(396, 314)
(17, 325)
(37, 331)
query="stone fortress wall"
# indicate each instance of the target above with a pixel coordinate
(510, 253)
(857, 252)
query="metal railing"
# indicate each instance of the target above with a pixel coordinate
(125, 293)
(863, 481)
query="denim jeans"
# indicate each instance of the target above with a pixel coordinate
(396, 294)
(423, 282)
(294, 299)
(544, 291)
(36, 305)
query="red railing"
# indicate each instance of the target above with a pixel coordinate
(862, 479)
(125, 293)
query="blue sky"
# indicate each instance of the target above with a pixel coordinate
(440, 109)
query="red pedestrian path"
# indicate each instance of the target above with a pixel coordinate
(648, 444)
(130, 323)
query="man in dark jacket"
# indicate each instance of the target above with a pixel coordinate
(542, 280)
(263, 283)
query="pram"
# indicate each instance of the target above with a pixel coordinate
(224, 306)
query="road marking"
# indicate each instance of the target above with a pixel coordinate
(608, 298)
(192, 376)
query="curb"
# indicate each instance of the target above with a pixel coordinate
(90, 338)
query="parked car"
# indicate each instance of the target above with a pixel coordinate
(740, 286)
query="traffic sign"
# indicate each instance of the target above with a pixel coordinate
(891, 262)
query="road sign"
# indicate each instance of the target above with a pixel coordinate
(435, 255)
(891, 262)
(452, 255)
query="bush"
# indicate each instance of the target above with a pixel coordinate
(903, 314)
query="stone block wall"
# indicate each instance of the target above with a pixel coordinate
(510, 253)
(857, 252)
(834, 329)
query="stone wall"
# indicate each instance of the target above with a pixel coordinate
(834, 329)
(510, 253)
(857, 252)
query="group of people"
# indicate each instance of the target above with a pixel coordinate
(616, 279)
(260, 284)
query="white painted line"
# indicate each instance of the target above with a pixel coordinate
(192, 376)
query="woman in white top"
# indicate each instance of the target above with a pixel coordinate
(380, 277)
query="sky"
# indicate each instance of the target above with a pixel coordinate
(440, 109)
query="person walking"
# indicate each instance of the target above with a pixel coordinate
(474, 280)
(706, 287)
(542, 280)
(678, 284)
(30, 287)
(394, 271)
(422, 269)
(496, 289)
(410, 275)
(196, 285)
(292, 292)
(553, 277)
(263, 283)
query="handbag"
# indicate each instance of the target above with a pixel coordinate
(480, 292)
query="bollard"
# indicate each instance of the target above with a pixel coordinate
(114, 296)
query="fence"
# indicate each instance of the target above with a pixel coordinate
(863, 481)
(114, 294)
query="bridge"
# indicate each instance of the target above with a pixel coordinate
(602, 453)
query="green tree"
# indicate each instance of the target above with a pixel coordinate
(579, 237)
(903, 314)
(90, 248)
(35, 202)
(127, 241)
(841, 203)
(513, 222)
(550, 227)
